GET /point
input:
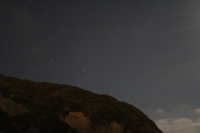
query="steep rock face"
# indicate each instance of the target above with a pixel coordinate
(82, 123)
(27, 106)
(12, 108)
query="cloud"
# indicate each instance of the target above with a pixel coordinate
(159, 111)
(182, 119)
(179, 125)
(197, 111)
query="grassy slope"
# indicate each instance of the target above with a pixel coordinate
(46, 100)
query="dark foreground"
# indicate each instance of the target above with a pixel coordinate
(31, 107)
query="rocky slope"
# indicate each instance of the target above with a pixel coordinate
(31, 107)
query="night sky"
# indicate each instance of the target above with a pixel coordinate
(144, 52)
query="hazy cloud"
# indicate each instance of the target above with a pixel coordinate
(197, 111)
(182, 119)
(179, 125)
(159, 111)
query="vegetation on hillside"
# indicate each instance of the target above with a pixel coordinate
(46, 101)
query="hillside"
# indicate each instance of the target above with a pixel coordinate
(31, 107)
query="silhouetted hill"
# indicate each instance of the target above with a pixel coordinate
(31, 107)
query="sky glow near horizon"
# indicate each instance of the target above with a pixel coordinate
(142, 52)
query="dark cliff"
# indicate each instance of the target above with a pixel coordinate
(31, 107)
